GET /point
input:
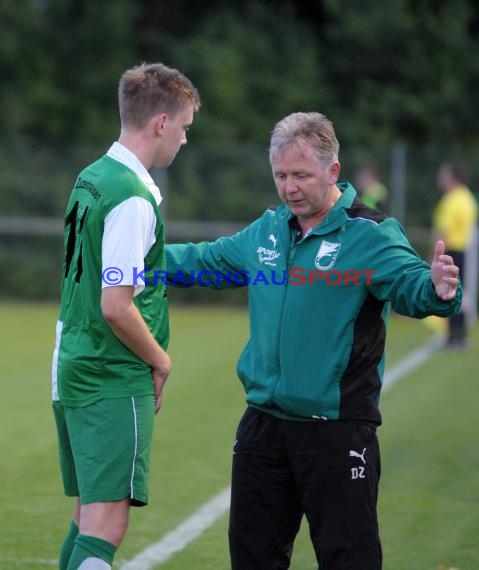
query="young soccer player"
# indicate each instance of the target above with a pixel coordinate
(110, 361)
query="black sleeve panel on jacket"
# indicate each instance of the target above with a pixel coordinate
(361, 384)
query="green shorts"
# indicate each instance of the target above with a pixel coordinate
(105, 449)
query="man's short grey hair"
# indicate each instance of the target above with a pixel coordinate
(298, 129)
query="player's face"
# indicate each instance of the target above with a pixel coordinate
(173, 135)
(303, 182)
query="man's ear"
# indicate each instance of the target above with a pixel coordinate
(334, 172)
(159, 123)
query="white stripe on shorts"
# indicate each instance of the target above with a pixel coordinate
(136, 449)
(58, 338)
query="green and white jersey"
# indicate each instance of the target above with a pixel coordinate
(114, 235)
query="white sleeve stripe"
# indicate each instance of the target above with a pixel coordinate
(129, 234)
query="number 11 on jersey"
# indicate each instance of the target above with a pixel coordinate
(74, 240)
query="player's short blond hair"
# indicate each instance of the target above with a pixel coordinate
(298, 129)
(149, 89)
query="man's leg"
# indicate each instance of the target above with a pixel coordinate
(265, 512)
(337, 468)
(111, 442)
(70, 483)
(457, 326)
(69, 542)
(457, 330)
(102, 528)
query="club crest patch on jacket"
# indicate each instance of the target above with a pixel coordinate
(327, 255)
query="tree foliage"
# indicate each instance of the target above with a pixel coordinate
(398, 70)
(405, 69)
(61, 60)
(408, 69)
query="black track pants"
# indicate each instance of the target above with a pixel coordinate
(282, 469)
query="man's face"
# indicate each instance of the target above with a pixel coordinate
(173, 136)
(303, 181)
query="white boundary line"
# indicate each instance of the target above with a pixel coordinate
(410, 362)
(188, 531)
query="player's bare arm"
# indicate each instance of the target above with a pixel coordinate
(127, 323)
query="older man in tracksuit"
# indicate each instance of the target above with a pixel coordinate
(323, 271)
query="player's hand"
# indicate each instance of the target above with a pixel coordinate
(444, 274)
(159, 376)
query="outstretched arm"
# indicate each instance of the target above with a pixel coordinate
(444, 274)
(211, 264)
(414, 287)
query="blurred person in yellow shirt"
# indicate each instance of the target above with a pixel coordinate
(454, 220)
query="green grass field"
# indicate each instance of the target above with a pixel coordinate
(429, 496)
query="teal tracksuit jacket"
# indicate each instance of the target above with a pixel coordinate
(318, 305)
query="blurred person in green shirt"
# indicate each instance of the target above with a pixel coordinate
(372, 191)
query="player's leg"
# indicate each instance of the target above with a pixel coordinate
(457, 326)
(102, 528)
(70, 484)
(265, 512)
(69, 542)
(337, 468)
(111, 443)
